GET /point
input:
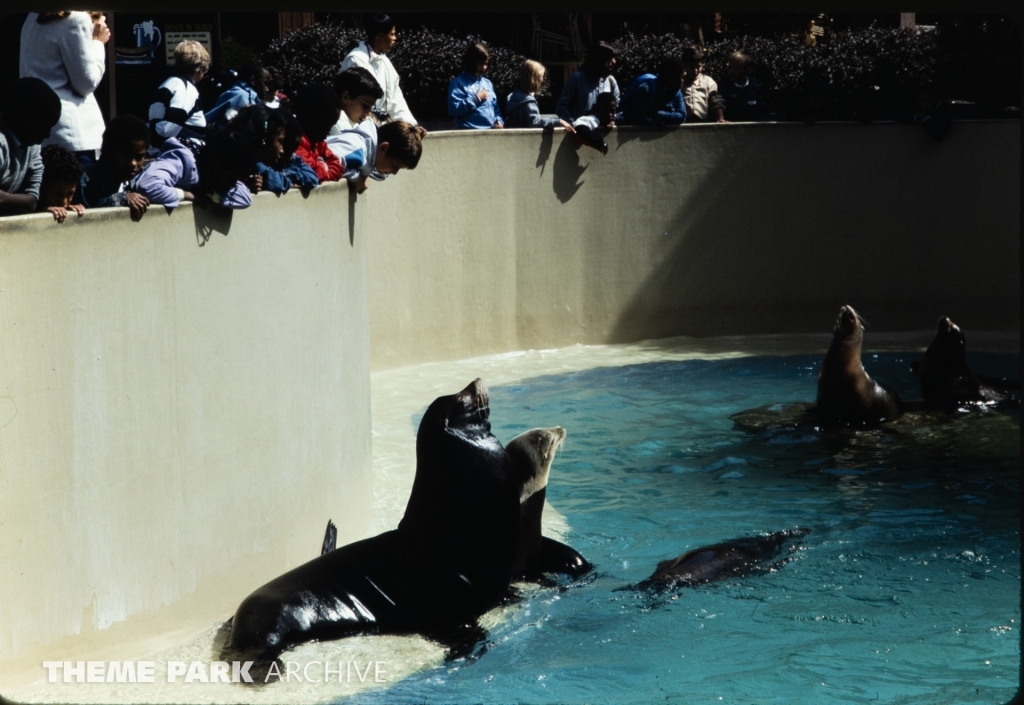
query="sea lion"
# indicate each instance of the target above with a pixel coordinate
(846, 395)
(946, 380)
(749, 555)
(450, 560)
(532, 454)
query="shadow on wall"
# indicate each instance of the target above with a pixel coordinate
(797, 232)
(209, 221)
(567, 169)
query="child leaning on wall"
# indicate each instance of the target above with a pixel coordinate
(30, 111)
(318, 108)
(215, 176)
(375, 152)
(656, 100)
(700, 92)
(61, 174)
(358, 92)
(276, 135)
(105, 183)
(741, 92)
(602, 115)
(521, 109)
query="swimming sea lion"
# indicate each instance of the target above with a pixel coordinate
(532, 453)
(749, 555)
(450, 560)
(846, 395)
(946, 380)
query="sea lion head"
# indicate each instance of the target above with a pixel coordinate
(463, 415)
(532, 453)
(949, 344)
(849, 324)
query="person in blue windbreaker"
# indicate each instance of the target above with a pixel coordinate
(471, 97)
(251, 88)
(656, 100)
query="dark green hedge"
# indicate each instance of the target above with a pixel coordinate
(426, 60)
(858, 74)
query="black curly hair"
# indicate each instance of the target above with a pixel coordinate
(60, 165)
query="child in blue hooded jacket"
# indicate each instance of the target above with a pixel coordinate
(656, 100)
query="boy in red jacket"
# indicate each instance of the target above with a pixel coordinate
(317, 109)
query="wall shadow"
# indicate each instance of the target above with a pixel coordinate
(870, 218)
(567, 171)
(209, 220)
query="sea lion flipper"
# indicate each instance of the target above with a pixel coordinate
(556, 557)
(464, 641)
(330, 538)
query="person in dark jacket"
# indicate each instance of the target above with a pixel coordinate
(521, 109)
(289, 171)
(252, 87)
(105, 182)
(594, 78)
(656, 100)
(742, 93)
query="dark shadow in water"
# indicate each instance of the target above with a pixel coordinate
(567, 170)
(210, 219)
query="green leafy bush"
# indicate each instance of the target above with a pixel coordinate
(426, 61)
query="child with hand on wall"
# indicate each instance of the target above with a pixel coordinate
(371, 152)
(700, 92)
(61, 174)
(741, 92)
(318, 108)
(105, 183)
(602, 115)
(215, 176)
(656, 100)
(276, 135)
(521, 108)
(31, 109)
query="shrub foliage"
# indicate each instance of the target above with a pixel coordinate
(426, 60)
(884, 66)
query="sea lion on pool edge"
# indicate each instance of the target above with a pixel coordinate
(846, 394)
(532, 454)
(450, 560)
(946, 380)
(749, 555)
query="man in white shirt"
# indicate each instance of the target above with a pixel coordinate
(381, 36)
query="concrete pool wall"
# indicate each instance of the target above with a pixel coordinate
(702, 230)
(185, 401)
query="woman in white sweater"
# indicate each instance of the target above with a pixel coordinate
(65, 49)
(381, 36)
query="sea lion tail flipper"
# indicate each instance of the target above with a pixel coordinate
(556, 557)
(330, 538)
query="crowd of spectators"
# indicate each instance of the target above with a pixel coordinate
(58, 156)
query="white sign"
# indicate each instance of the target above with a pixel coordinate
(173, 39)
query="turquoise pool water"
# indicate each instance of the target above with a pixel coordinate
(908, 589)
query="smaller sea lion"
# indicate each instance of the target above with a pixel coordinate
(846, 394)
(749, 555)
(946, 380)
(532, 454)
